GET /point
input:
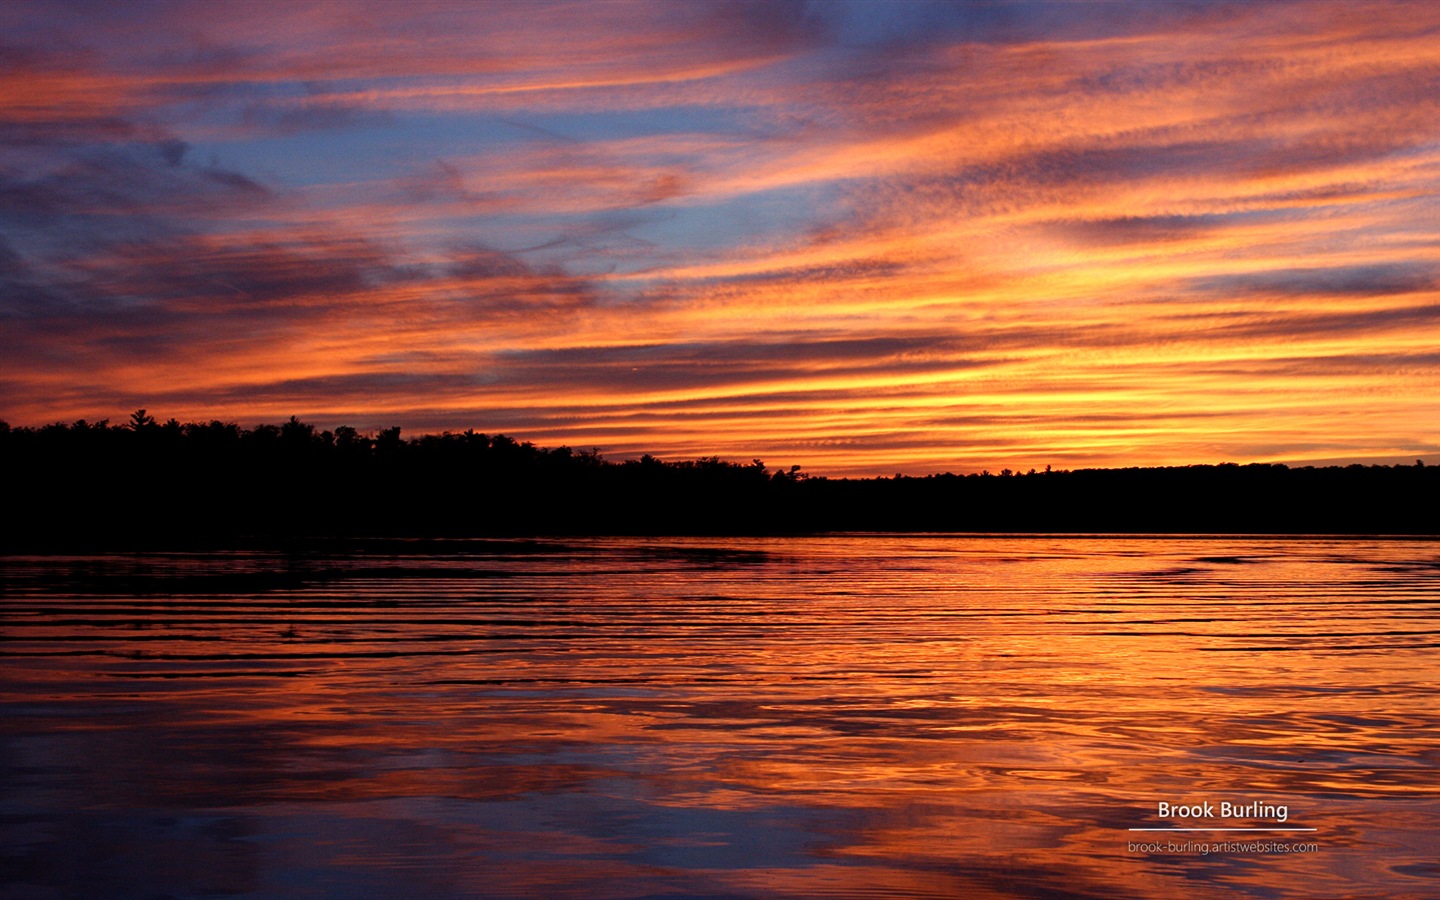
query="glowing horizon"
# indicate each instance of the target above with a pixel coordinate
(860, 237)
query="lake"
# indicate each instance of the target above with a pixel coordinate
(853, 716)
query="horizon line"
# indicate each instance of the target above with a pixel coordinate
(141, 415)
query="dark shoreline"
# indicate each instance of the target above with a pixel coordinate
(214, 485)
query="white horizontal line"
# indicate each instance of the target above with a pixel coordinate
(1223, 829)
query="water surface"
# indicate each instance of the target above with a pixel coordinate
(850, 716)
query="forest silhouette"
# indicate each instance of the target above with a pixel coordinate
(146, 482)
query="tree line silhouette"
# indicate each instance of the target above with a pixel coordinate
(146, 481)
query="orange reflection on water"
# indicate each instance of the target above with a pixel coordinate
(893, 715)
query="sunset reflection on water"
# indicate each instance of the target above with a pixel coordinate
(847, 716)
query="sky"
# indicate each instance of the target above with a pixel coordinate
(864, 238)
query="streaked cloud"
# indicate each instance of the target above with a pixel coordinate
(864, 237)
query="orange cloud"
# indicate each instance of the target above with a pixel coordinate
(1173, 237)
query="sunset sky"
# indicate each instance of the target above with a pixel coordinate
(860, 237)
